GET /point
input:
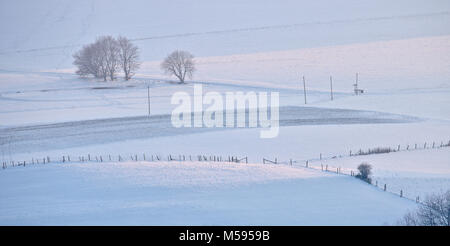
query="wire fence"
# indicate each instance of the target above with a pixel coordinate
(340, 171)
(306, 163)
(312, 164)
(124, 158)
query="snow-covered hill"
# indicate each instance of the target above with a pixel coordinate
(44, 35)
(400, 50)
(189, 193)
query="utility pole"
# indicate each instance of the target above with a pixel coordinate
(148, 99)
(304, 88)
(331, 87)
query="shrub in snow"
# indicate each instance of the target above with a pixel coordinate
(365, 170)
(435, 211)
(378, 150)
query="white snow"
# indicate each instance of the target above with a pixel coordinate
(414, 172)
(207, 28)
(383, 66)
(400, 49)
(189, 193)
(401, 76)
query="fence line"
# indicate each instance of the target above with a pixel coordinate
(385, 150)
(121, 158)
(235, 159)
(135, 157)
(346, 172)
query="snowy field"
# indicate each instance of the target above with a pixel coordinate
(400, 50)
(403, 76)
(94, 132)
(190, 193)
(416, 173)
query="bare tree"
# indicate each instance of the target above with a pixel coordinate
(100, 59)
(109, 51)
(179, 64)
(106, 56)
(88, 61)
(128, 56)
(435, 211)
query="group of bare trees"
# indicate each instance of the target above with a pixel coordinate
(435, 211)
(106, 56)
